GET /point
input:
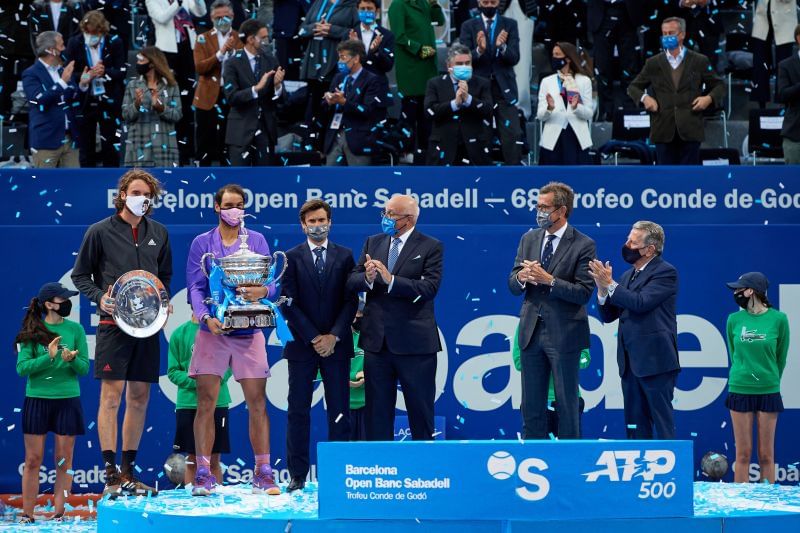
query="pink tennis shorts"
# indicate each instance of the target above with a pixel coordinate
(213, 354)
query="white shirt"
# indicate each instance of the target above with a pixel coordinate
(367, 34)
(55, 11)
(313, 246)
(403, 239)
(675, 61)
(602, 299)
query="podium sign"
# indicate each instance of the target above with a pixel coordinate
(505, 480)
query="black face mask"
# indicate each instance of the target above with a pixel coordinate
(142, 68)
(741, 300)
(357, 324)
(488, 12)
(558, 62)
(64, 308)
(630, 255)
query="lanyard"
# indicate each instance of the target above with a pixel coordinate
(99, 52)
(327, 15)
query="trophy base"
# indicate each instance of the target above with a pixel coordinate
(248, 317)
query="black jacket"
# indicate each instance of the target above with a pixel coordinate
(494, 63)
(113, 58)
(596, 12)
(243, 118)
(109, 251)
(789, 95)
(40, 19)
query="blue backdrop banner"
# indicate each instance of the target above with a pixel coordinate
(496, 480)
(719, 223)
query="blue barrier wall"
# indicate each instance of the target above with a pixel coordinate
(719, 223)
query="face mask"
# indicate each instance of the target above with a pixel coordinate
(488, 12)
(462, 72)
(142, 68)
(543, 219)
(367, 17)
(669, 42)
(357, 324)
(318, 233)
(741, 300)
(138, 205)
(60, 55)
(64, 308)
(232, 216)
(629, 255)
(558, 63)
(91, 40)
(343, 68)
(388, 226)
(223, 25)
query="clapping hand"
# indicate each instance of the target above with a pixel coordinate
(501, 39)
(263, 81)
(481, 40)
(551, 104)
(66, 75)
(376, 42)
(601, 273)
(574, 100)
(462, 93)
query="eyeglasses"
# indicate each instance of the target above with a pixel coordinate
(542, 208)
(395, 216)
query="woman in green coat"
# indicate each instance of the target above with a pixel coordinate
(415, 58)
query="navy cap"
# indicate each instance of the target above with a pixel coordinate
(751, 280)
(54, 290)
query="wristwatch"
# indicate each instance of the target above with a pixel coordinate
(612, 287)
(205, 317)
(553, 282)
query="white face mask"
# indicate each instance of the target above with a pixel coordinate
(91, 40)
(138, 205)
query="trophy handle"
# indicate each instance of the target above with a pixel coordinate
(285, 265)
(203, 262)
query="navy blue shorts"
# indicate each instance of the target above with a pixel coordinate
(752, 403)
(63, 416)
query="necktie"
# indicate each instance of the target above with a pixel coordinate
(633, 277)
(319, 262)
(547, 254)
(257, 67)
(394, 252)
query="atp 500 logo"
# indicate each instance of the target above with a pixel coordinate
(625, 465)
(502, 465)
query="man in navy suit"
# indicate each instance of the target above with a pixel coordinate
(353, 108)
(494, 42)
(320, 314)
(647, 340)
(400, 269)
(48, 85)
(379, 43)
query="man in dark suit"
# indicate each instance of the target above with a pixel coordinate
(319, 316)
(53, 131)
(460, 105)
(400, 270)
(494, 42)
(253, 87)
(352, 108)
(551, 270)
(379, 43)
(614, 23)
(62, 16)
(647, 340)
(789, 95)
(676, 80)
(102, 55)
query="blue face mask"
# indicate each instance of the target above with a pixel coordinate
(343, 68)
(367, 17)
(388, 226)
(669, 42)
(462, 72)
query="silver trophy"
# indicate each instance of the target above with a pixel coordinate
(242, 269)
(141, 303)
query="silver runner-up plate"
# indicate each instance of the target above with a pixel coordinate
(141, 303)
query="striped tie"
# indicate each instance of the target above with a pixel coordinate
(394, 252)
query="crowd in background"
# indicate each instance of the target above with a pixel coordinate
(352, 82)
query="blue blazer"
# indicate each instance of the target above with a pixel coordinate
(49, 104)
(493, 63)
(364, 108)
(648, 328)
(318, 308)
(402, 319)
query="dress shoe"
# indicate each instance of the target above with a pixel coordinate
(297, 483)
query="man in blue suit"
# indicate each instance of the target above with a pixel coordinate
(320, 314)
(647, 340)
(379, 43)
(353, 106)
(494, 42)
(48, 85)
(400, 269)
